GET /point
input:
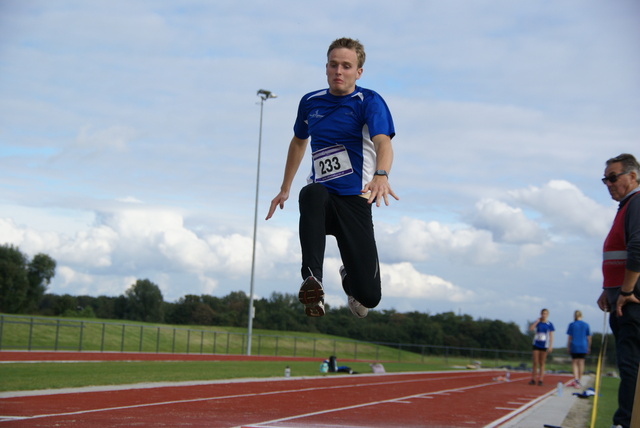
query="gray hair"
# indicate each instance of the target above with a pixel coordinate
(629, 164)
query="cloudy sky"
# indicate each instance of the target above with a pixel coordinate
(129, 144)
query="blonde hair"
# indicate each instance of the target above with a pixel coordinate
(577, 315)
(352, 44)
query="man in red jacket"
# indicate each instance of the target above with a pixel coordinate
(621, 271)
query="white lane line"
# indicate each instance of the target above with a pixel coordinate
(156, 385)
(217, 398)
(373, 403)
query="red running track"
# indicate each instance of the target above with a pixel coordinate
(434, 399)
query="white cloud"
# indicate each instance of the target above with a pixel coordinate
(566, 209)
(508, 224)
(130, 199)
(29, 240)
(66, 276)
(91, 248)
(403, 280)
(10, 231)
(70, 281)
(418, 240)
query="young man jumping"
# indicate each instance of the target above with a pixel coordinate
(350, 129)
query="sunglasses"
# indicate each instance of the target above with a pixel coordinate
(613, 178)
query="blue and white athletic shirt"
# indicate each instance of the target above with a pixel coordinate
(541, 337)
(340, 127)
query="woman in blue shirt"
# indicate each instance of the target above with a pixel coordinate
(579, 345)
(542, 345)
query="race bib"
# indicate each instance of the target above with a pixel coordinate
(331, 162)
(541, 337)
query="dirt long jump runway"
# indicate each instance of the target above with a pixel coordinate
(434, 399)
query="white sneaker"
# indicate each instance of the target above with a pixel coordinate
(356, 308)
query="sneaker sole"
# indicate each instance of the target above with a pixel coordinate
(311, 292)
(314, 310)
(311, 295)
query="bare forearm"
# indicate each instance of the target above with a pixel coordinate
(378, 188)
(297, 148)
(630, 280)
(384, 152)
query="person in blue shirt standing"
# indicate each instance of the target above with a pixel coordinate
(579, 345)
(350, 129)
(542, 345)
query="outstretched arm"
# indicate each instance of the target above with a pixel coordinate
(297, 147)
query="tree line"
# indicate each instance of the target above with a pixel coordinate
(282, 312)
(23, 284)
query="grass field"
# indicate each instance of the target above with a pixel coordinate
(76, 334)
(19, 376)
(42, 333)
(607, 401)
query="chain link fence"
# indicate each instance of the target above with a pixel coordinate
(60, 334)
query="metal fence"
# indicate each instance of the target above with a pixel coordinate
(60, 334)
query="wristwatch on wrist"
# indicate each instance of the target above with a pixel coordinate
(626, 293)
(381, 172)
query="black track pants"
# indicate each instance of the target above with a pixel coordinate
(626, 330)
(348, 218)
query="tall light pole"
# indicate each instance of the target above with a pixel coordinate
(264, 95)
